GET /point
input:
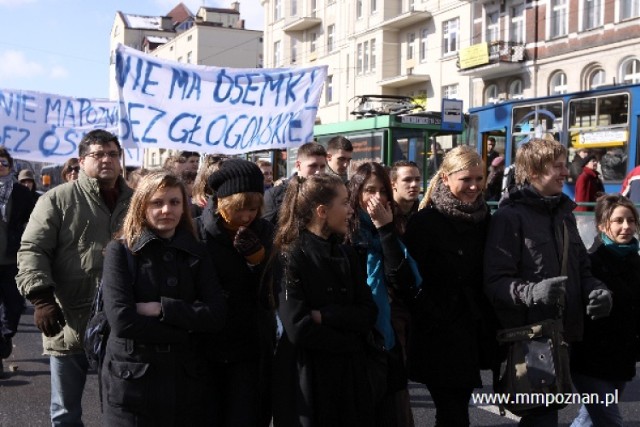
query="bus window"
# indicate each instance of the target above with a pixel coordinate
(534, 121)
(600, 125)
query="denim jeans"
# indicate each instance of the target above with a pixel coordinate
(11, 302)
(68, 376)
(597, 414)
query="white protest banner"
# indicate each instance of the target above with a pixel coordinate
(45, 127)
(214, 109)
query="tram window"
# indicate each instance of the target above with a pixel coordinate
(599, 125)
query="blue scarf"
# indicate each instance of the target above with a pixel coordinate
(619, 249)
(368, 237)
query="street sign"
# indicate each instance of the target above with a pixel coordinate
(452, 117)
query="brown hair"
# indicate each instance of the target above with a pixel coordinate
(311, 149)
(136, 220)
(606, 204)
(533, 157)
(393, 172)
(201, 189)
(66, 168)
(248, 200)
(5, 153)
(302, 197)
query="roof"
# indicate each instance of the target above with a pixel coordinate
(156, 39)
(142, 22)
(179, 14)
(221, 10)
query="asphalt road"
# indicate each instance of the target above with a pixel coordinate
(25, 395)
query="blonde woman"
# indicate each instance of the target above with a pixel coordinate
(452, 324)
(153, 372)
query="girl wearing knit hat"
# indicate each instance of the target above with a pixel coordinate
(239, 242)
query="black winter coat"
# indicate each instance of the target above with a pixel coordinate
(246, 334)
(320, 378)
(153, 372)
(21, 205)
(525, 245)
(452, 324)
(273, 198)
(609, 348)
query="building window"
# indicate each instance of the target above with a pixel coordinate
(277, 9)
(630, 71)
(629, 9)
(558, 83)
(597, 78)
(365, 49)
(189, 37)
(558, 18)
(491, 94)
(294, 50)
(372, 61)
(328, 96)
(450, 36)
(411, 43)
(358, 9)
(189, 57)
(360, 59)
(450, 91)
(493, 27)
(591, 14)
(171, 48)
(331, 32)
(516, 31)
(423, 45)
(179, 58)
(374, 6)
(294, 7)
(515, 89)
(277, 54)
(348, 70)
(313, 40)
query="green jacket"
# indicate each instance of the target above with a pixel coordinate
(63, 247)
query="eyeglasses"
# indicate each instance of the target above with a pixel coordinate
(4, 163)
(101, 154)
(74, 169)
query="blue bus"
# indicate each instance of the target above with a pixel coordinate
(604, 120)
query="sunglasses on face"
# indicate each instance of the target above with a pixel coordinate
(4, 163)
(74, 169)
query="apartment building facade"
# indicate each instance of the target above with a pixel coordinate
(382, 47)
(211, 36)
(533, 49)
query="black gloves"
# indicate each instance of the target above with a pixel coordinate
(600, 303)
(246, 242)
(48, 315)
(546, 292)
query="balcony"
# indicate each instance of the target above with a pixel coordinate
(491, 59)
(301, 23)
(407, 79)
(405, 19)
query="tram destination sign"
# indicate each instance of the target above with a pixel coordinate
(415, 119)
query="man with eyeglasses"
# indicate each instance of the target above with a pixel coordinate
(60, 263)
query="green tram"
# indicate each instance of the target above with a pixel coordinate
(392, 137)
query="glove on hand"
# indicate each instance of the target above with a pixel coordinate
(48, 315)
(546, 292)
(600, 303)
(246, 242)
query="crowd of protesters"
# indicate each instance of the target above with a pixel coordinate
(234, 301)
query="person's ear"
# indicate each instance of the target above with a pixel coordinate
(445, 179)
(297, 164)
(321, 211)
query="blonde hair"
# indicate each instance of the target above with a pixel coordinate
(462, 157)
(248, 200)
(136, 220)
(200, 190)
(533, 157)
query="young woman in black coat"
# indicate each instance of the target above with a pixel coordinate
(239, 242)
(326, 308)
(452, 324)
(154, 368)
(605, 360)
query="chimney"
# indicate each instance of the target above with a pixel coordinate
(235, 6)
(167, 23)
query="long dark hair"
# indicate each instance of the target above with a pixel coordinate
(356, 185)
(302, 197)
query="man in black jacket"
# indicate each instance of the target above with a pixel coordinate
(312, 159)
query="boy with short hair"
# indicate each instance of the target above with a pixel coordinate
(524, 249)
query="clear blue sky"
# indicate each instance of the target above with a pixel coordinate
(62, 46)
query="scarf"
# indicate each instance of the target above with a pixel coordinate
(6, 187)
(619, 249)
(368, 237)
(445, 202)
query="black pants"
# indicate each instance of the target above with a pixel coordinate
(235, 394)
(11, 302)
(452, 406)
